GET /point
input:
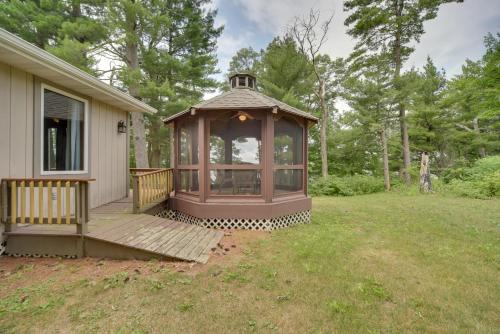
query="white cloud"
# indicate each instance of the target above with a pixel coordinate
(227, 46)
(454, 35)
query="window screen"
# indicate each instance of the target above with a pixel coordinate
(63, 132)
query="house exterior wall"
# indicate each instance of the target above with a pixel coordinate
(16, 123)
(109, 154)
(20, 137)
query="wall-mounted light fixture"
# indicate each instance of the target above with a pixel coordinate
(122, 127)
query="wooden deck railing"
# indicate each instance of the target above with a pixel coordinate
(45, 201)
(151, 186)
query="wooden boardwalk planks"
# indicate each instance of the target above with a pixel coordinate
(152, 234)
(112, 224)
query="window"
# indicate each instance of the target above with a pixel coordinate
(235, 155)
(64, 133)
(241, 82)
(288, 156)
(188, 156)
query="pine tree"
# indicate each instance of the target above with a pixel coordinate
(429, 121)
(392, 25)
(68, 29)
(285, 73)
(168, 49)
(370, 96)
(246, 60)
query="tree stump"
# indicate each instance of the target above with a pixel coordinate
(425, 174)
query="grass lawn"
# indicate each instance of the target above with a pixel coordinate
(383, 263)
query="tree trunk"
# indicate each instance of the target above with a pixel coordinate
(385, 156)
(138, 126)
(323, 130)
(475, 124)
(155, 142)
(139, 135)
(425, 174)
(405, 142)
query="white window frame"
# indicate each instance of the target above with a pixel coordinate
(85, 170)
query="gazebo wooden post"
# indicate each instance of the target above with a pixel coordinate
(268, 177)
(305, 156)
(202, 158)
(228, 158)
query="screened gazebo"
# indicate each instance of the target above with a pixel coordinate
(240, 161)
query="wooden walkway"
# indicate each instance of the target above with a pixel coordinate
(113, 225)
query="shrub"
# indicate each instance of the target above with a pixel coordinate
(482, 180)
(346, 186)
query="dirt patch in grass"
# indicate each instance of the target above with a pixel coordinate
(234, 246)
(23, 272)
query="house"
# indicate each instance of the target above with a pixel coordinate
(240, 160)
(64, 148)
(60, 122)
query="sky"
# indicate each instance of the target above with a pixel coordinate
(456, 34)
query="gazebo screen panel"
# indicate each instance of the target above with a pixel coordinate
(188, 156)
(235, 182)
(235, 155)
(188, 181)
(288, 155)
(188, 143)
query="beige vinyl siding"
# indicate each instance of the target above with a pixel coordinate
(108, 154)
(108, 161)
(16, 122)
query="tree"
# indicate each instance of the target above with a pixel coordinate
(370, 96)
(429, 121)
(310, 35)
(167, 48)
(392, 25)
(472, 101)
(179, 60)
(126, 22)
(246, 60)
(71, 30)
(285, 73)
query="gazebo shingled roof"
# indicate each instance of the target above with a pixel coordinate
(244, 98)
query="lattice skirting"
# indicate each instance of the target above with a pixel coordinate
(302, 217)
(40, 255)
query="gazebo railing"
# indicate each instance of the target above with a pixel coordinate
(45, 201)
(150, 186)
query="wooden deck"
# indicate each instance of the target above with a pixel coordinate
(113, 231)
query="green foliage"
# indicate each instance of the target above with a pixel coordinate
(68, 29)
(482, 180)
(346, 186)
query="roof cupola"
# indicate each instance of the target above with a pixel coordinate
(242, 80)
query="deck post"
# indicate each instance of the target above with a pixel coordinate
(135, 194)
(81, 209)
(4, 216)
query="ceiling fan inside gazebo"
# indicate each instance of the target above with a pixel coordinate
(243, 116)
